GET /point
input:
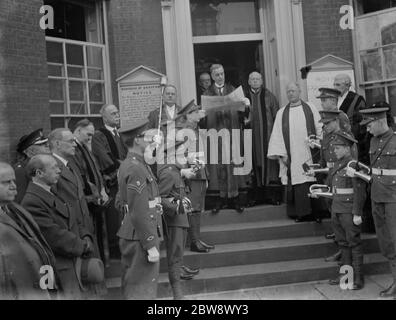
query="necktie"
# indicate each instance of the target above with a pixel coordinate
(220, 91)
(115, 132)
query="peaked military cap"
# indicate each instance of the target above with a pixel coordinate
(328, 115)
(134, 128)
(344, 139)
(376, 112)
(328, 93)
(34, 138)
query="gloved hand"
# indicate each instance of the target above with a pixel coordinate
(88, 247)
(153, 255)
(357, 220)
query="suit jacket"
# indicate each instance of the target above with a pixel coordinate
(22, 254)
(62, 231)
(70, 189)
(154, 115)
(21, 179)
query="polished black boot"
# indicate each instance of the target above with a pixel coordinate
(218, 206)
(357, 264)
(330, 236)
(196, 246)
(346, 259)
(207, 246)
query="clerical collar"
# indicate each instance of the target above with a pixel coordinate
(219, 86)
(295, 104)
(44, 186)
(63, 160)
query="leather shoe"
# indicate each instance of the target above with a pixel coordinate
(330, 236)
(186, 276)
(239, 208)
(207, 246)
(188, 270)
(334, 257)
(390, 292)
(307, 218)
(358, 284)
(198, 247)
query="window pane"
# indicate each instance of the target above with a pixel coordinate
(392, 98)
(95, 74)
(57, 123)
(74, 54)
(371, 63)
(390, 61)
(77, 108)
(76, 72)
(56, 89)
(387, 25)
(96, 92)
(54, 52)
(57, 108)
(375, 95)
(55, 70)
(95, 107)
(94, 57)
(77, 91)
(224, 17)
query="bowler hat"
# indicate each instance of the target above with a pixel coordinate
(89, 270)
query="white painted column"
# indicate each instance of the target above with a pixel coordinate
(170, 42)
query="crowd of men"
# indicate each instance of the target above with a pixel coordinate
(78, 198)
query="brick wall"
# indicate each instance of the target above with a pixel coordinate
(323, 34)
(23, 74)
(135, 37)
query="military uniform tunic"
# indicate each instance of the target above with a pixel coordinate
(141, 228)
(383, 192)
(171, 185)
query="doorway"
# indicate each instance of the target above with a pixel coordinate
(239, 59)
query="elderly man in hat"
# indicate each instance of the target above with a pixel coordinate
(28, 146)
(23, 249)
(383, 185)
(60, 227)
(141, 229)
(349, 194)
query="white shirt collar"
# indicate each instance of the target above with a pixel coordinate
(219, 86)
(111, 129)
(44, 186)
(171, 110)
(63, 160)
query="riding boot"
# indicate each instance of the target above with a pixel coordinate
(346, 259)
(357, 264)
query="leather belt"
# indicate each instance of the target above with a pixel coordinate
(330, 165)
(383, 172)
(342, 190)
(153, 203)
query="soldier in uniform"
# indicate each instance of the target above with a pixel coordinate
(141, 229)
(197, 185)
(173, 195)
(383, 187)
(349, 195)
(28, 146)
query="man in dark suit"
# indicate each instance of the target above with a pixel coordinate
(94, 188)
(169, 108)
(65, 234)
(23, 249)
(28, 146)
(110, 151)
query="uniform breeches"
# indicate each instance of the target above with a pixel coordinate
(174, 252)
(347, 234)
(139, 276)
(384, 215)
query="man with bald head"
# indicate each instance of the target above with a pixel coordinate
(262, 113)
(110, 151)
(23, 249)
(288, 144)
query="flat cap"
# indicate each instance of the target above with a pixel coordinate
(328, 115)
(328, 93)
(34, 138)
(344, 139)
(373, 113)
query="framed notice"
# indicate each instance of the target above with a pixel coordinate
(139, 92)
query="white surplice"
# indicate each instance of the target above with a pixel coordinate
(299, 149)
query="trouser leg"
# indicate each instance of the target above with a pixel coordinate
(194, 221)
